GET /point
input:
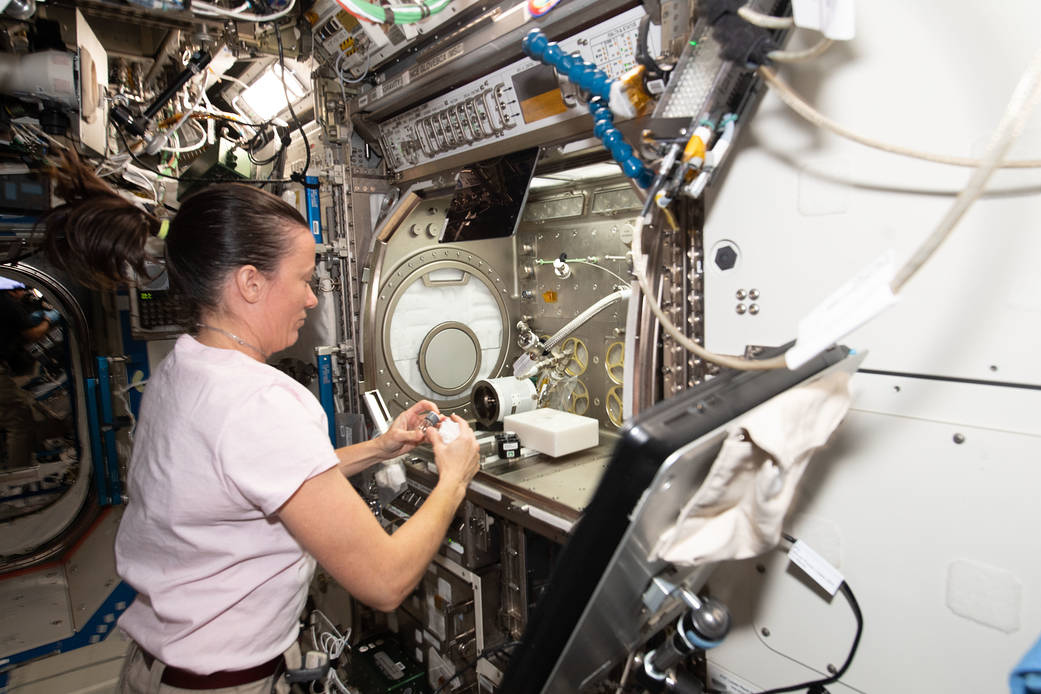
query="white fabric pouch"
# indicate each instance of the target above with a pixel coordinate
(739, 509)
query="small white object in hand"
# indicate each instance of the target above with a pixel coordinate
(449, 431)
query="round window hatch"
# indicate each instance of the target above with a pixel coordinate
(449, 358)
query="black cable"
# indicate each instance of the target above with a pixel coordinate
(29, 251)
(816, 685)
(218, 116)
(268, 160)
(473, 663)
(659, 180)
(643, 56)
(298, 177)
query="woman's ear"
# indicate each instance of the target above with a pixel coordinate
(249, 282)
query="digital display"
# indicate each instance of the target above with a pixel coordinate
(146, 296)
(539, 93)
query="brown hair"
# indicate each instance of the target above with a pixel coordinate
(96, 234)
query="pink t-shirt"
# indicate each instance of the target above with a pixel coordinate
(222, 442)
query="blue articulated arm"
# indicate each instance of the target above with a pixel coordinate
(596, 82)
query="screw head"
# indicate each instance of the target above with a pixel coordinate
(753, 309)
(726, 258)
(959, 438)
(740, 308)
(740, 294)
(764, 631)
(753, 294)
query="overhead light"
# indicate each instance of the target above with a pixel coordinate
(266, 97)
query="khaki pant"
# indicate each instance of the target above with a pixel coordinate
(137, 678)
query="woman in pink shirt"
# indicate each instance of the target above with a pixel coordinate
(234, 488)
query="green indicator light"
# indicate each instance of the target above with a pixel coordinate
(693, 43)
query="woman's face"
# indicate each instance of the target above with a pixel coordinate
(288, 294)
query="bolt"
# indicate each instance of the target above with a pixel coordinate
(726, 258)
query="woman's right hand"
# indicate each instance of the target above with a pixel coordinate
(459, 461)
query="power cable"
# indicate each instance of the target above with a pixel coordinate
(300, 178)
(818, 685)
(797, 104)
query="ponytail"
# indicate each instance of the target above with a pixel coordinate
(96, 234)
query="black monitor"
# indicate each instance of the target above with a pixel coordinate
(488, 197)
(645, 445)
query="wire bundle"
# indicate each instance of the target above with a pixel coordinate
(240, 13)
(392, 14)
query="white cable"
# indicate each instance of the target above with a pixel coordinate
(798, 56)
(524, 364)
(335, 680)
(795, 102)
(159, 141)
(586, 261)
(113, 164)
(1024, 99)
(598, 265)
(229, 78)
(133, 385)
(667, 325)
(209, 10)
(764, 21)
(332, 645)
(354, 80)
(331, 641)
(137, 178)
(39, 135)
(198, 144)
(122, 394)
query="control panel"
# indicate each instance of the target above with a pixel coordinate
(521, 98)
(155, 313)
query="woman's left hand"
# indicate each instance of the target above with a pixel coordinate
(404, 434)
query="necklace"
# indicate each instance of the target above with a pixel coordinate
(233, 336)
